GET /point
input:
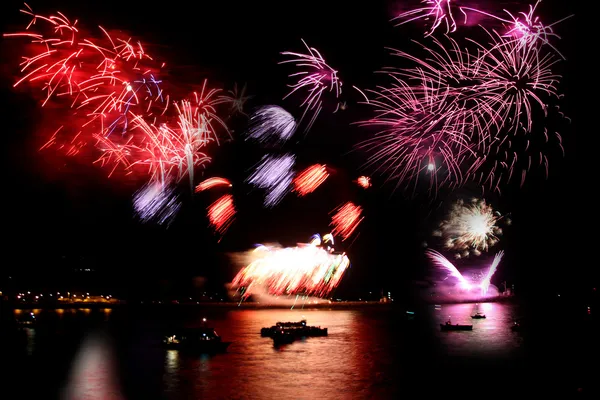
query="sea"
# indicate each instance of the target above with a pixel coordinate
(374, 352)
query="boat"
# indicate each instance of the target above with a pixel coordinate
(449, 326)
(28, 320)
(478, 316)
(287, 332)
(202, 340)
(268, 332)
(516, 327)
(283, 337)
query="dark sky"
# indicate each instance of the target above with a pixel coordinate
(74, 211)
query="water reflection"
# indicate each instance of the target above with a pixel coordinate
(374, 354)
(93, 372)
(491, 336)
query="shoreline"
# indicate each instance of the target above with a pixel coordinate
(255, 305)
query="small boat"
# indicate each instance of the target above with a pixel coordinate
(28, 320)
(516, 327)
(201, 340)
(478, 316)
(449, 326)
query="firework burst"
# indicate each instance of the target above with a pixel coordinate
(470, 228)
(307, 269)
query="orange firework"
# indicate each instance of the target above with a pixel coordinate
(221, 213)
(346, 219)
(310, 179)
(212, 182)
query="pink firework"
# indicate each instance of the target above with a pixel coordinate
(308, 269)
(310, 179)
(526, 29)
(481, 285)
(221, 213)
(346, 219)
(441, 261)
(315, 78)
(448, 118)
(435, 12)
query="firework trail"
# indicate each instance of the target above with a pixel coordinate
(221, 213)
(470, 228)
(363, 181)
(271, 124)
(346, 219)
(310, 179)
(315, 77)
(307, 269)
(274, 174)
(441, 261)
(211, 183)
(156, 202)
(485, 283)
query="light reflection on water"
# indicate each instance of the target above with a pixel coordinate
(491, 336)
(369, 353)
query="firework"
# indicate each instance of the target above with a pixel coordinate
(310, 179)
(110, 85)
(470, 228)
(525, 28)
(274, 174)
(485, 283)
(441, 261)
(156, 202)
(271, 124)
(363, 181)
(346, 219)
(481, 282)
(221, 213)
(307, 269)
(315, 78)
(437, 11)
(237, 99)
(103, 78)
(453, 116)
(212, 182)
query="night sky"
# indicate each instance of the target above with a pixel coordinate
(57, 209)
